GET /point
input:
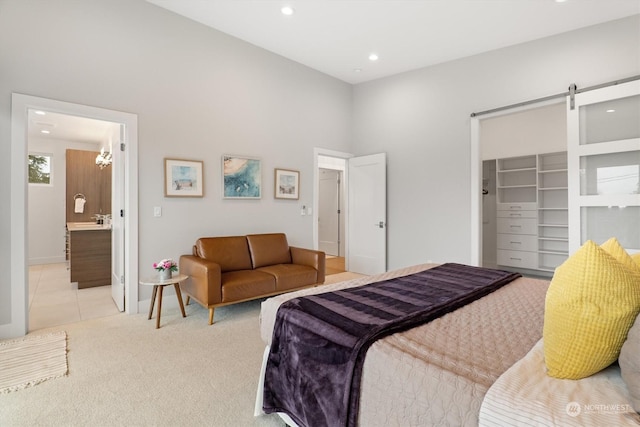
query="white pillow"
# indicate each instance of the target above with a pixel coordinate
(629, 361)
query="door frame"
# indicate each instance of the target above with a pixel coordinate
(20, 104)
(316, 196)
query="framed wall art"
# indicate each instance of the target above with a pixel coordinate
(183, 178)
(287, 184)
(241, 177)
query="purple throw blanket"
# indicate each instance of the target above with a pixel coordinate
(319, 341)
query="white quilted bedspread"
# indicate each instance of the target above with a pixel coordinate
(526, 396)
(437, 374)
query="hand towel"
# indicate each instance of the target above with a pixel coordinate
(79, 208)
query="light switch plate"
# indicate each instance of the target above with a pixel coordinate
(157, 211)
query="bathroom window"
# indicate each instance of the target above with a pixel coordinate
(40, 169)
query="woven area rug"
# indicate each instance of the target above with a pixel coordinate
(31, 360)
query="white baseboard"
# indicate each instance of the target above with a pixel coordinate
(9, 330)
(46, 260)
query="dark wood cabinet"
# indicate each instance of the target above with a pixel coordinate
(90, 257)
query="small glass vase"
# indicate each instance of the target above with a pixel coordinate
(165, 274)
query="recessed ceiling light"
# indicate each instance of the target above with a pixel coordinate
(560, 1)
(357, 70)
(611, 111)
(39, 112)
(45, 131)
(287, 10)
(373, 57)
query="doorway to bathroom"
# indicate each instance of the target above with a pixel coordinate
(77, 190)
(123, 288)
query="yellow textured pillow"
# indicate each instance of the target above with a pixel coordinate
(590, 306)
(636, 259)
(613, 248)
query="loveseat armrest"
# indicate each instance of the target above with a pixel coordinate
(311, 258)
(205, 281)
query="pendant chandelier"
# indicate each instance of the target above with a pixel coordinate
(103, 159)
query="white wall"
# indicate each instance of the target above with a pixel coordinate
(198, 94)
(533, 131)
(421, 119)
(47, 209)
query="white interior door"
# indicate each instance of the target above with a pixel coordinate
(604, 166)
(117, 225)
(367, 201)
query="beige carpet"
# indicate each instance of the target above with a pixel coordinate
(124, 372)
(31, 360)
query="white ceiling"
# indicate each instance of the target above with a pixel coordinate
(337, 36)
(69, 128)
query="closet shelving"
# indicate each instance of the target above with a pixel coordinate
(553, 212)
(517, 180)
(532, 211)
(516, 212)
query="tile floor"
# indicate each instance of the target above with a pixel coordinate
(55, 300)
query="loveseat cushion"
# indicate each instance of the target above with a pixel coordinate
(231, 253)
(291, 276)
(269, 249)
(246, 284)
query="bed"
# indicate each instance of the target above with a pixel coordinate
(437, 373)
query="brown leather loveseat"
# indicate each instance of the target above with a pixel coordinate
(227, 270)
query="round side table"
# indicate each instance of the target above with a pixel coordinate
(158, 286)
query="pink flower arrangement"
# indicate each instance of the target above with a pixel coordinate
(165, 264)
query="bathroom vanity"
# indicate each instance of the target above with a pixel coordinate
(89, 246)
